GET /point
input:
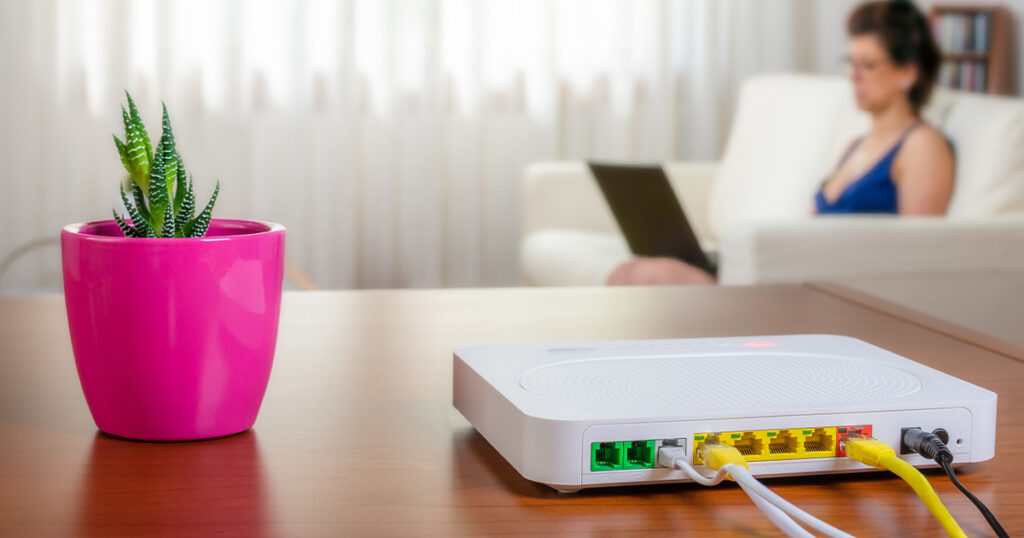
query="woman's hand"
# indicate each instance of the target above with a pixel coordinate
(657, 271)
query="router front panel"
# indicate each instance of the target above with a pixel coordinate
(586, 414)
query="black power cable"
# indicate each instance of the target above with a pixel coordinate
(931, 446)
(947, 465)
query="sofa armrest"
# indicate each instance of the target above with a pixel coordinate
(837, 248)
(564, 195)
(558, 257)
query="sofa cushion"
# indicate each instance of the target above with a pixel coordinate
(788, 133)
(988, 135)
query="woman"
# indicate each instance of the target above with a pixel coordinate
(901, 166)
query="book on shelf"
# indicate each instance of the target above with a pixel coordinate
(959, 33)
(981, 26)
(977, 46)
(965, 37)
(964, 75)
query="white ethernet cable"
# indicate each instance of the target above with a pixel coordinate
(675, 457)
(777, 516)
(753, 485)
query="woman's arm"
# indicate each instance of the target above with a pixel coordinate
(923, 173)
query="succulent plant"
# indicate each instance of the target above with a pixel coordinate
(163, 201)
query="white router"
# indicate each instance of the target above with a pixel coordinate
(589, 414)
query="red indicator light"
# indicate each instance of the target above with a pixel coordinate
(760, 343)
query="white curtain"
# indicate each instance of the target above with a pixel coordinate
(388, 136)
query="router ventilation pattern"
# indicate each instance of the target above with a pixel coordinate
(732, 380)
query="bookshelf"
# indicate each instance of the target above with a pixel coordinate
(977, 47)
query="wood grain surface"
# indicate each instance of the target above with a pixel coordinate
(357, 435)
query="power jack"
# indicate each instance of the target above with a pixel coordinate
(941, 433)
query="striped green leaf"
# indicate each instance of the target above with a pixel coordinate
(137, 121)
(181, 189)
(122, 150)
(168, 228)
(187, 209)
(140, 152)
(134, 152)
(198, 226)
(140, 201)
(157, 194)
(127, 230)
(168, 154)
(143, 227)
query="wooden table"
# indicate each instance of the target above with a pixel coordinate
(987, 305)
(357, 435)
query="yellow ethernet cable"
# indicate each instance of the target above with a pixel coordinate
(878, 454)
(716, 456)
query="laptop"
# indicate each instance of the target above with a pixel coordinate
(649, 214)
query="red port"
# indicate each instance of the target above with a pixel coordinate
(843, 431)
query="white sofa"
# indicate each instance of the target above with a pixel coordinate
(754, 206)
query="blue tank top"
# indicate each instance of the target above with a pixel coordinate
(874, 192)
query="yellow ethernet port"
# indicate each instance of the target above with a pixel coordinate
(773, 445)
(819, 443)
(749, 444)
(782, 443)
(752, 445)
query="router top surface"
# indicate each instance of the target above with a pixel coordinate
(710, 377)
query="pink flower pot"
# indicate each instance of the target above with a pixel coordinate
(173, 338)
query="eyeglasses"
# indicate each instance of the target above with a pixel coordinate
(867, 67)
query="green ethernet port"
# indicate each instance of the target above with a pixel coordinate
(605, 456)
(639, 455)
(782, 443)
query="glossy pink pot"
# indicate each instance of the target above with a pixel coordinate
(173, 338)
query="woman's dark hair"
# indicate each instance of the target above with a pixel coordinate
(905, 33)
